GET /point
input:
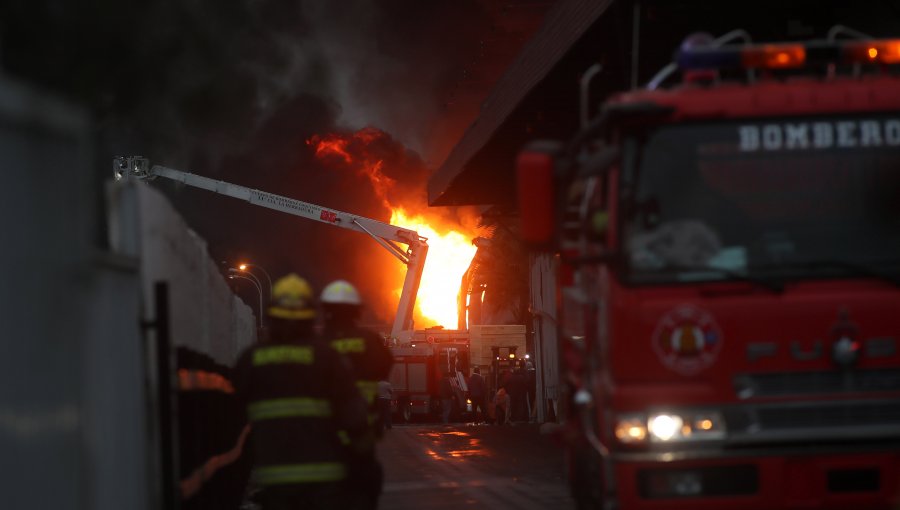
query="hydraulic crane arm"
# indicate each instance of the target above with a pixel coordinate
(391, 237)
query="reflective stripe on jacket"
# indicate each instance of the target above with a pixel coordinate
(299, 473)
(288, 407)
(371, 362)
(283, 354)
(297, 396)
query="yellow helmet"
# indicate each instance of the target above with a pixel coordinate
(340, 292)
(292, 299)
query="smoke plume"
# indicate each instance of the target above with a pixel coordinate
(234, 91)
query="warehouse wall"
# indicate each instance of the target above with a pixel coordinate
(206, 316)
(78, 387)
(209, 327)
(73, 431)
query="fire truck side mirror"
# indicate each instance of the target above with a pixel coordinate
(536, 187)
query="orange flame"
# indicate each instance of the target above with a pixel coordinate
(334, 146)
(449, 254)
(450, 248)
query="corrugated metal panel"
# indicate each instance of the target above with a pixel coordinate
(543, 286)
(564, 25)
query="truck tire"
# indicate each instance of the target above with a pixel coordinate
(405, 412)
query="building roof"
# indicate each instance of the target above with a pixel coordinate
(537, 97)
(564, 24)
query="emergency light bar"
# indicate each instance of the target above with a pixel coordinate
(789, 55)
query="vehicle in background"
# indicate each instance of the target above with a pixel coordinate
(418, 368)
(498, 350)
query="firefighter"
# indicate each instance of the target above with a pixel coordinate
(445, 391)
(477, 394)
(371, 362)
(298, 393)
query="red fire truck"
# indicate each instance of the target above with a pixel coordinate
(418, 368)
(729, 254)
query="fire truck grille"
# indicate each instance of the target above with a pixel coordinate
(830, 415)
(814, 421)
(784, 384)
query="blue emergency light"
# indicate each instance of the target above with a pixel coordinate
(788, 55)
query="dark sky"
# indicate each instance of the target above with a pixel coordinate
(232, 90)
(216, 72)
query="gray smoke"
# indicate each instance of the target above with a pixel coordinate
(233, 90)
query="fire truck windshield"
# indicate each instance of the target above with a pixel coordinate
(780, 199)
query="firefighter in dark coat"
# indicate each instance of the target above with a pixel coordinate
(371, 362)
(517, 387)
(298, 393)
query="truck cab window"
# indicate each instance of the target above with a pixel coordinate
(717, 199)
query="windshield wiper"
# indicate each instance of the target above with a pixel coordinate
(853, 268)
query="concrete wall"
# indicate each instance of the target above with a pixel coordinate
(73, 418)
(209, 327)
(206, 316)
(77, 415)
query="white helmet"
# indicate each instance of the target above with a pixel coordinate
(340, 292)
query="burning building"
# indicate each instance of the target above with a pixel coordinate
(396, 177)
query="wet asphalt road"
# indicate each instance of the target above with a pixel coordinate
(430, 467)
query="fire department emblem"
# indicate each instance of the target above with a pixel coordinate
(687, 340)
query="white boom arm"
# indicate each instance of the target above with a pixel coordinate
(387, 235)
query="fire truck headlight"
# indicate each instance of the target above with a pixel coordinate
(631, 429)
(669, 427)
(664, 427)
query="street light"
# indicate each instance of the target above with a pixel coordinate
(258, 289)
(248, 275)
(244, 266)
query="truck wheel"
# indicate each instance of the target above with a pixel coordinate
(405, 412)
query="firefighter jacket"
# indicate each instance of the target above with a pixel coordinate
(297, 396)
(370, 359)
(476, 386)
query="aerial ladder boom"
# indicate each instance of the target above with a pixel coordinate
(391, 237)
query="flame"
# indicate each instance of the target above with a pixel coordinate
(450, 249)
(332, 147)
(449, 254)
